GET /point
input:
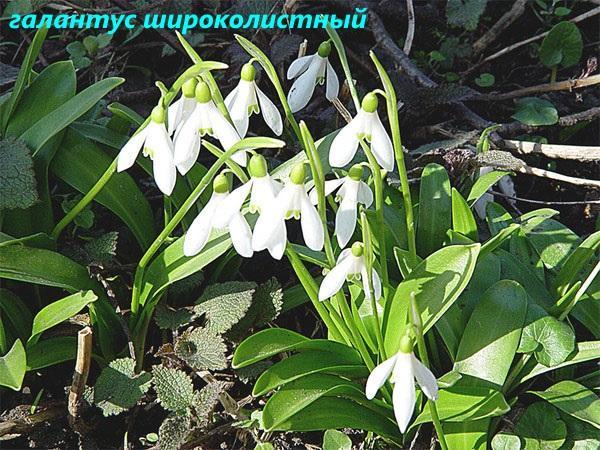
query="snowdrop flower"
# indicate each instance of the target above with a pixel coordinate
(244, 101)
(181, 109)
(366, 124)
(261, 188)
(402, 369)
(506, 186)
(199, 232)
(270, 231)
(351, 192)
(204, 119)
(310, 71)
(350, 265)
(155, 141)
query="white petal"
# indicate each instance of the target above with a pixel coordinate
(131, 150)
(335, 279)
(241, 235)
(231, 205)
(174, 115)
(344, 254)
(376, 285)
(165, 173)
(264, 191)
(425, 378)
(299, 65)
(267, 226)
(303, 88)
(270, 112)
(345, 218)
(230, 99)
(378, 377)
(330, 186)
(381, 145)
(333, 84)
(198, 233)
(187, 139)
(403, 397)
(278, 241)
(238, 109)
(365, 195)
(187, 160)
(344, 145)
(222, 129)
(312, 227)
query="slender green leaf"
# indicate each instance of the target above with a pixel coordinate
(483, 183)
(13, 366)
(51, 351)
(463, 220)
(576, 262)
(435, 209)
(14, 311)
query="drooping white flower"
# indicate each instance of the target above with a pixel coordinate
(155, 141)
(352, 190)
(309, 71)
(506, 186)
(181, 109)
(199, 232)
(366, 124)
(244, 101)
(350, 265)
(204, 119)
(402, 369)
(270, 231)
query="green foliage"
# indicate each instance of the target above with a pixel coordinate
(336, 440)
(202, 349)
(225, 304)
(170, 319)
(119, 388)
(173, 431)
(535, 111)
(85, 219)
(485, 80)
(465, 13)
(13, 366)
(205, 402)
(562, 46)
(18, 186)
(174, 388)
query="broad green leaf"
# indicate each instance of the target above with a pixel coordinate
(436, 283)
(302, 364)
(58, 312)
(562, 46)
(15, 312)
(472, 435)
(435, 209)
(540, 428)
(13, 366)
(496, 241)
(272, 341)
(574, 399)
(80, 164)
(497, 217)
(463, 220)
(59, 79)
(553, 241)
(51, 351)
(39, 133)
(336, 440)
(506, 441)
(580, 435)
(174, 388)
(491, 338)
(18, 184)
(576, 262)
(402, 258)
(119, 387)
(483, 183)
(535, 111)
(126, 113)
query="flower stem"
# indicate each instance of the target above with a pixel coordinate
(339, 46)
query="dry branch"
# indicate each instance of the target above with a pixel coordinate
(45, 414)
(82, 369)
(410, 33)
(504, 22)
(575, 152)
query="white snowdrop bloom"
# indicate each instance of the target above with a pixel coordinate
(350, 265)
(204, 119)
(402, 369)
(155, 141)
(247, 99)
(262, 190)
(366, 124)
(309, 71)
(199, 232)
(270, 231)
(352, 191)
(180, 110)
(506, 186)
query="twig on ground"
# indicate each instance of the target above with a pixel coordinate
(574, 152)
(82, 369)
(44, 415)
(559, 177)
(514, 128)
(544, 202)
(501, 24)
(410, 33)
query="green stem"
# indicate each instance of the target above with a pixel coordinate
(339, 46)
(553, 73)
(584, 287)
(233, 166)
(85, 201)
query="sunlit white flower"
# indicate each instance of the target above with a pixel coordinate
(506, 186)
(402, 369)
(262, 190)
(180, 110)
(350, 265)
(351, 192)
(155, 141)
(202, 226)
(244, 101)
(310, 71)
(366, 124)
(204, 119)
(270, 232)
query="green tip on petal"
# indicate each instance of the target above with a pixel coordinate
(298, 174)
(370, 102)
(189, 88)
(357, 249)
(203, 94)
(248, 72)
(324, 49)
(356, 172)
(158, 114)
(257, 166)
(221, 184)
(406, 344)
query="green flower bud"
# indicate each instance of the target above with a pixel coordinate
(406, 344)
(357, 249)
(189, 88)
(324, 49)
(370, 102)
(248, 72)
(203, 94)
(221, 184)
(298, 174)
(158, 114)
(257, 166)
(356, 172)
